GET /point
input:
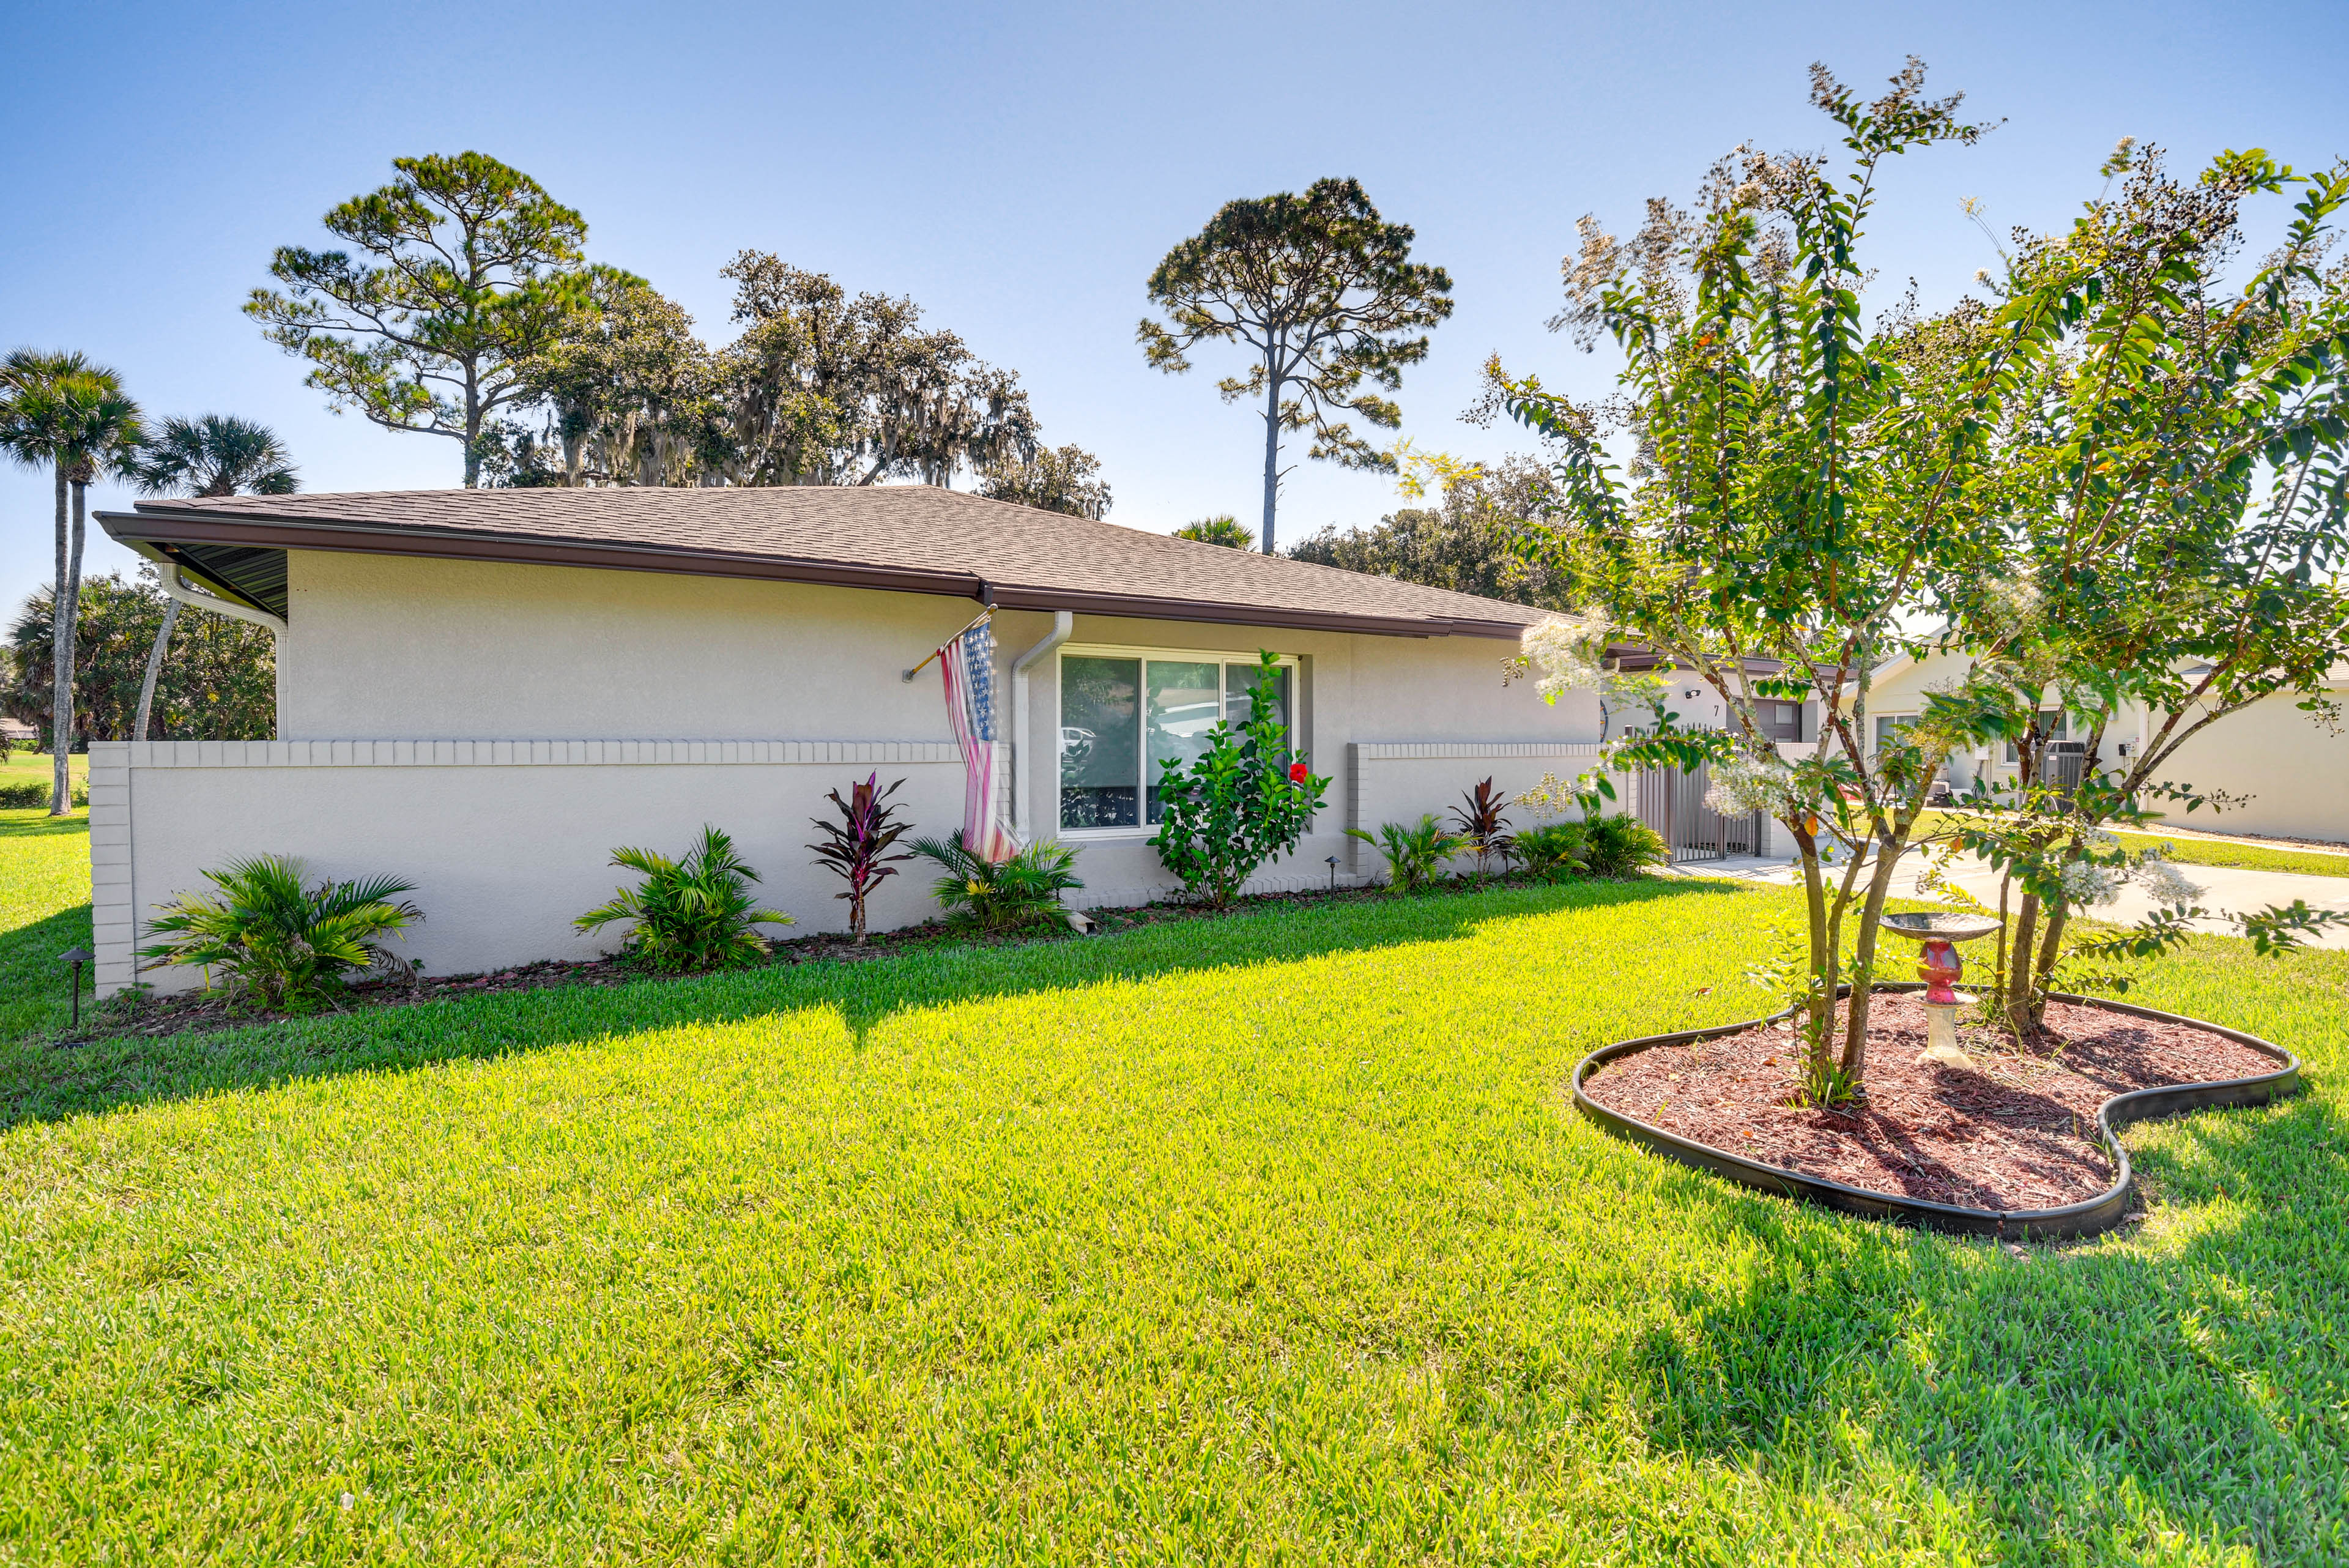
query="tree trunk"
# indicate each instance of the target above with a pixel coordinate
(2021, 969)
(1863, 958)
(1272, 451)
(472, 433)
(60, 669)
(138, 731)
(2043, 969)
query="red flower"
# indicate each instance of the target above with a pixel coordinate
(1297, 774)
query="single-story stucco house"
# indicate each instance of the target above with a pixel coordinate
(485, 691)
(2286, 771)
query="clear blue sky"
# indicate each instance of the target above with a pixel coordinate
(1019, 169)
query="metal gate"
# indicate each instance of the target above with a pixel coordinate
(1672, 802)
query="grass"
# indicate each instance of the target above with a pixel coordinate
(2188, 851)
(20, 765)
(43, 911)
(1269, 1238)
(2251, 857)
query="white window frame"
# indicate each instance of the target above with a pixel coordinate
(1147, 830)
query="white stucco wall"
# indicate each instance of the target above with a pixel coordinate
(2294, 771)
(491, 732)
(2290, 770)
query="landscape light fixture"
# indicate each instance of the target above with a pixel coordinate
(1333, 873)
(75, 957)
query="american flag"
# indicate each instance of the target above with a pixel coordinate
(968, 664)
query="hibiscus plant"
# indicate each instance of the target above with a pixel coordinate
(1246, 801)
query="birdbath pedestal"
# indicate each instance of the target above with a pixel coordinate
(1939, 967)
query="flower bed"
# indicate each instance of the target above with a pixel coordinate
(2020, 1142)
(194, 1011)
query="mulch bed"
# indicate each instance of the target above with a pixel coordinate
(2016, 1132)
(192, 1011)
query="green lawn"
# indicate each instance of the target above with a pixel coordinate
(1271, 1238)
(43, 911)
(2252, 857)
(2209, 852)
(19, 766)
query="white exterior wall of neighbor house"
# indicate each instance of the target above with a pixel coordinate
(2294, 770)
(2290, 770)
(491, 732)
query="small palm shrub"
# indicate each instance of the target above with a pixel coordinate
(1415, 855)
(690, 915)
(1002, 896)
(282, 944)
(1622, 846)
(856, 848)
(1554, 851)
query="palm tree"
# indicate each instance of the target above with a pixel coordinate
(60, 411)
(215, 454)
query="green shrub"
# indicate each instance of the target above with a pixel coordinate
(281, 944)
(690, 915)
(1622, 846)
(1244, 803)
(1006, 895)
(1554, 851)
(1415, 855)
(32, 795)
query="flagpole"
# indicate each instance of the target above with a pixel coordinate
(925, 664)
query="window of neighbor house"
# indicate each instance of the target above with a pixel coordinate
(1779, 721)
(1889, 725)
(2051, 727)
(1123, 714)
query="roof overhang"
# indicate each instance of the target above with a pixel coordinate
(195, 539)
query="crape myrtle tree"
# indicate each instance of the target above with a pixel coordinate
(60, 411)
(2170, 472)
(1800, 489)
(1324, 296)
(214, 455)
(465, 270)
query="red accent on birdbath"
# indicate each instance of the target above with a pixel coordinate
(1939, 967)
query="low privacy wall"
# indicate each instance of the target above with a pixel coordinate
(508, 840)
(505, 840)
(1397, 780)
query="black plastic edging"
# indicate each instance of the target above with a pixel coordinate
(2083, 1218)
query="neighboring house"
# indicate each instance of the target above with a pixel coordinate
(2289, 771)
(16, 733)
(485, 691)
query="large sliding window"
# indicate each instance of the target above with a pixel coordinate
(1123, 714)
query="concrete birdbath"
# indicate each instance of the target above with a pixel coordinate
(1939, 967)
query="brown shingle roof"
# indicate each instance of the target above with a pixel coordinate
(913, 538)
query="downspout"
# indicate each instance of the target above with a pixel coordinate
(1063, 624)
(187, 593)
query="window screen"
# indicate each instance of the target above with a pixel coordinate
(2051, 728)
(1101, 743)
(1122, 718)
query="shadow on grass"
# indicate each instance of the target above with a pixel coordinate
(41, 1083)
(2080, 1398)
(32, 984)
